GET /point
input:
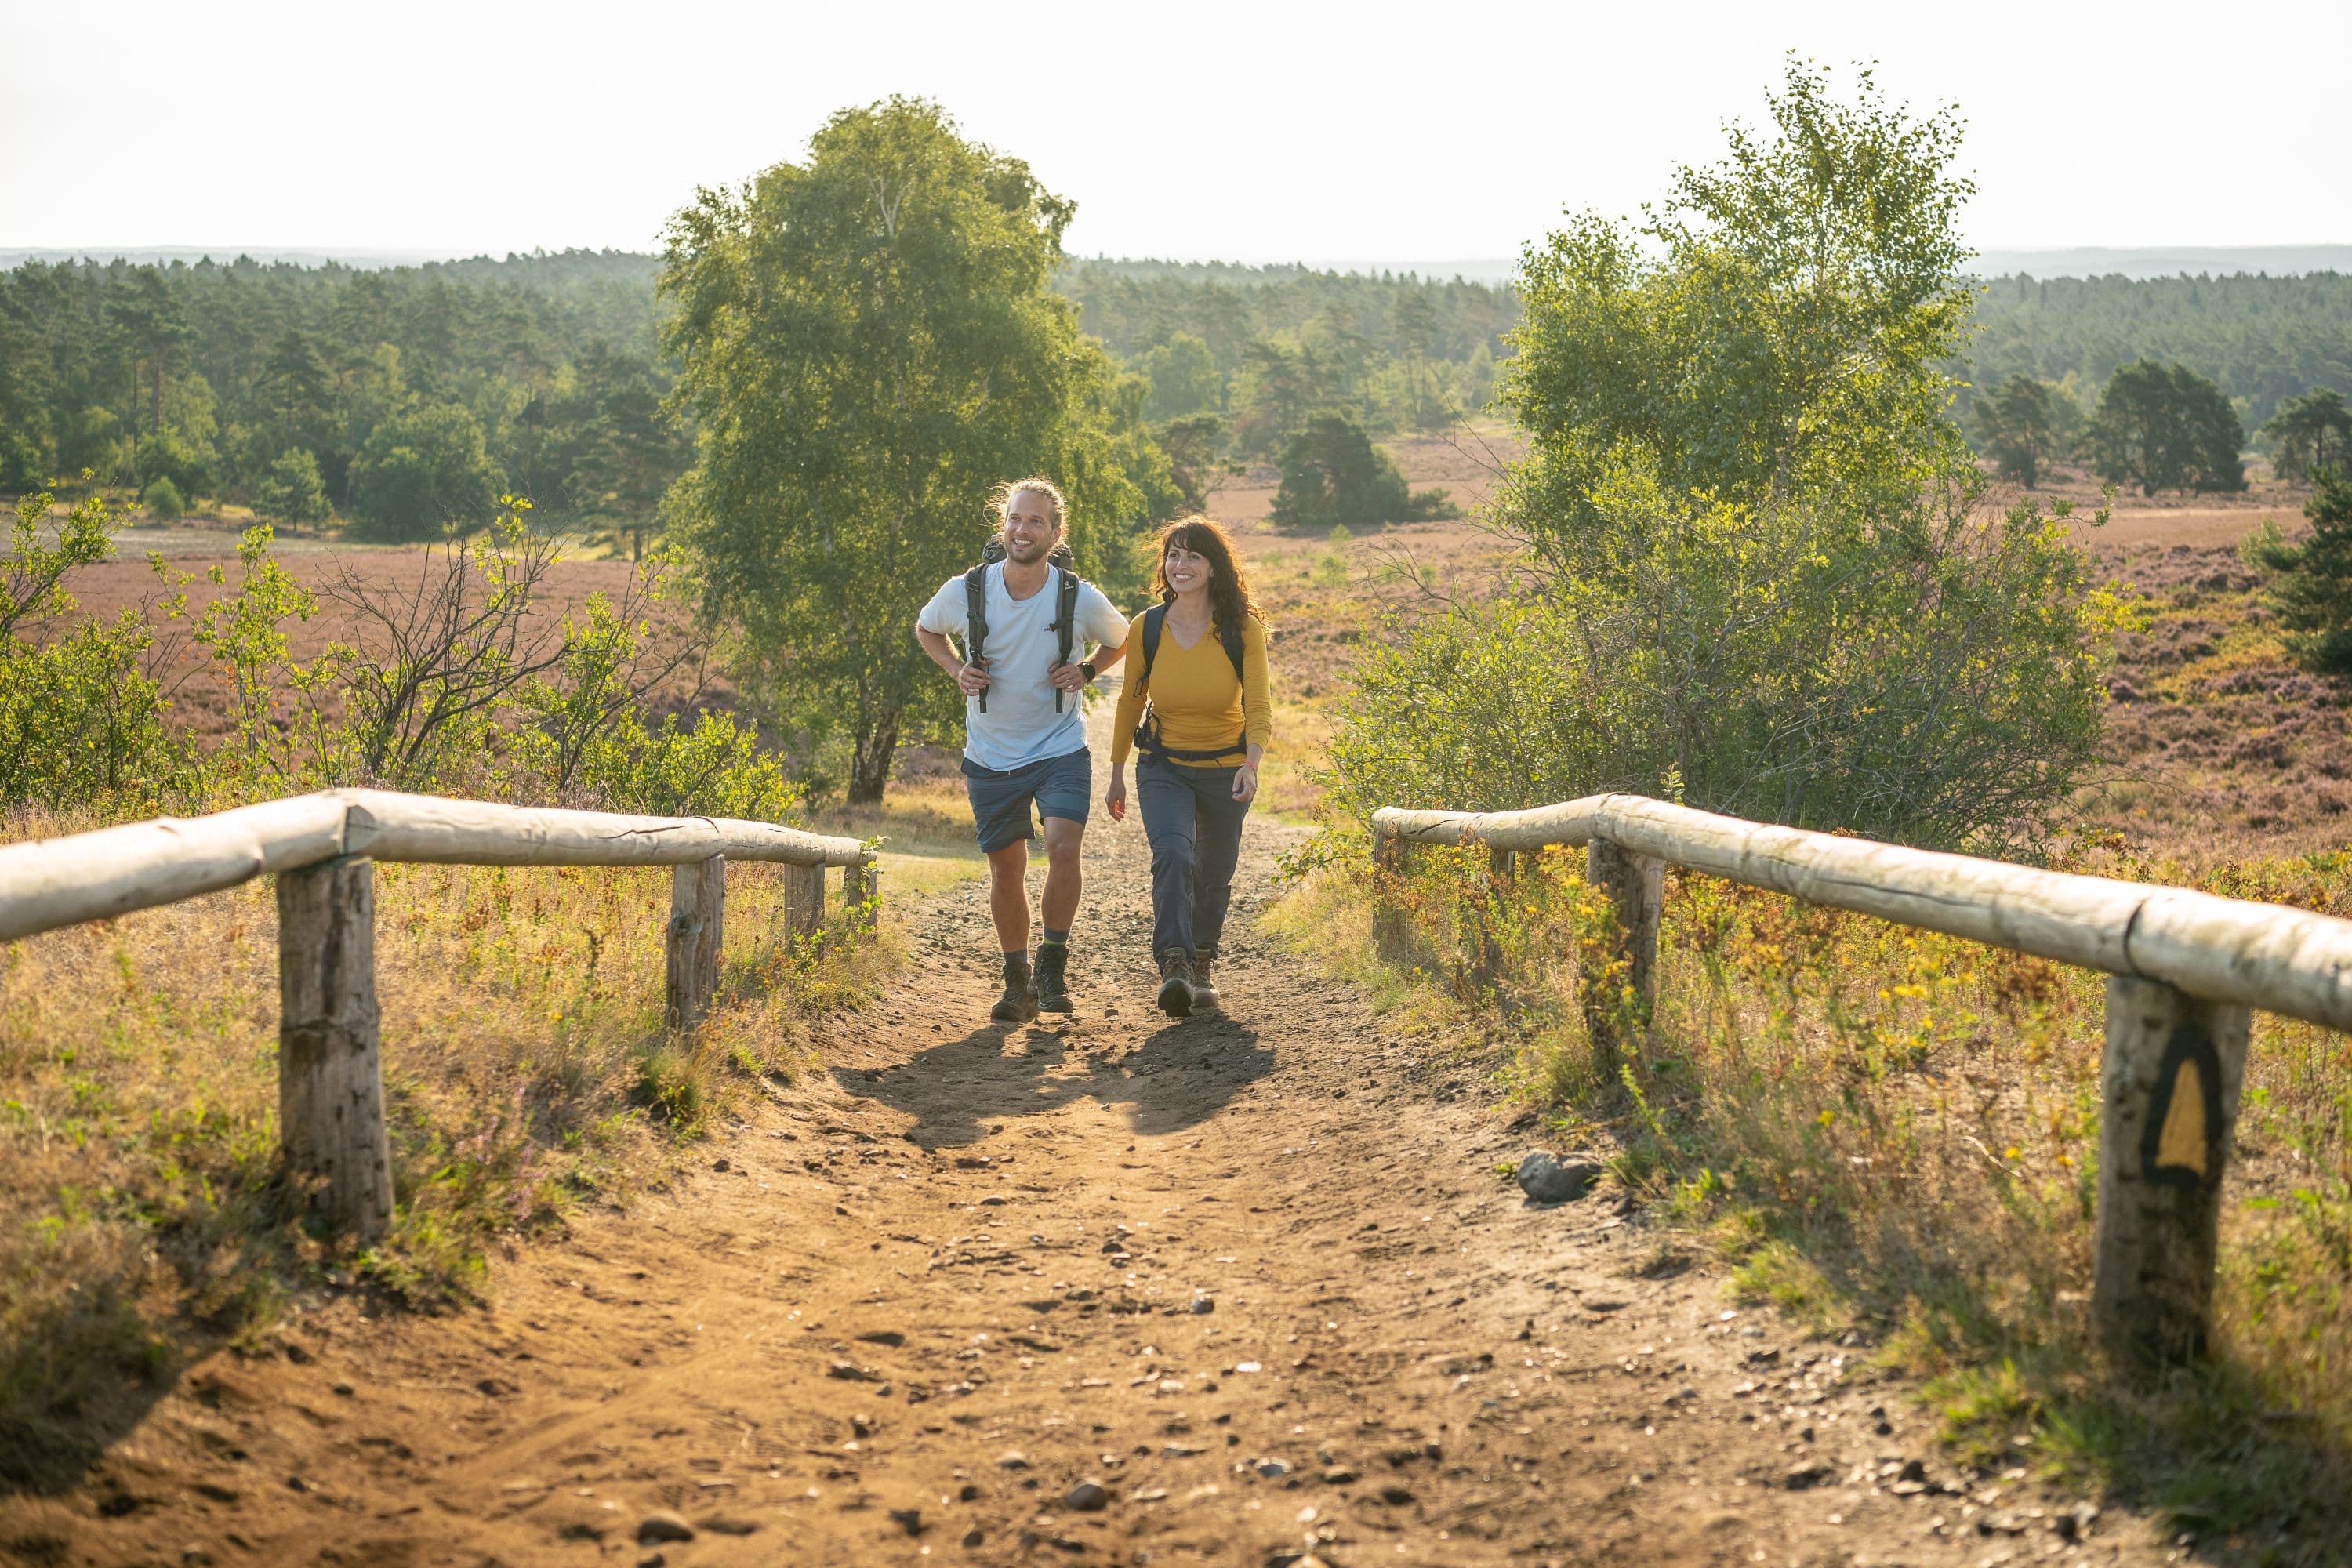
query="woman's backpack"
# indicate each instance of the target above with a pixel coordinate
(1146, 733)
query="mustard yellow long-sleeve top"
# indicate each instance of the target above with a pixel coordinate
(1194, 696)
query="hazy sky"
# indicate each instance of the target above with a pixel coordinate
(1255, 132)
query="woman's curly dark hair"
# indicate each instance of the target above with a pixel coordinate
(1229, 593)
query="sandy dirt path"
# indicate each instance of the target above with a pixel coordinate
(1252, 1276)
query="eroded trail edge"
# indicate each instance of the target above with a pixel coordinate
(1114, 1290)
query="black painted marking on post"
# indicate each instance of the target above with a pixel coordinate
(2189, 1045)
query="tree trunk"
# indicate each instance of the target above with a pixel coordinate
(869, 763)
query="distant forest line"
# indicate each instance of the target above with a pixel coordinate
(211, 372)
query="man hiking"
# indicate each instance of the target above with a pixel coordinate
(1021, 672)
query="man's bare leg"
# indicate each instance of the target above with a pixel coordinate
(1060, 907)
(1064, 881)
(1008, 896)
(1008, 905)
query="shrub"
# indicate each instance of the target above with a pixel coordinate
(80, 720)
(163, 501)
(1333, 475)
(1938, 682)
(169, 455)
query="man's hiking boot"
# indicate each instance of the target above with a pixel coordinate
(1048, 984)
(1017, 1006)
(1204, 990)
(1175, 983)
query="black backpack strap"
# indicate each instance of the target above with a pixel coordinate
(1232, 638)
(1153, 619)
(1066, 621)
(975, 619)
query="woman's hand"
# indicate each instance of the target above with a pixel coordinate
(1115, 793)
(1246, 783)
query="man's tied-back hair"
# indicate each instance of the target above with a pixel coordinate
(1000, 499)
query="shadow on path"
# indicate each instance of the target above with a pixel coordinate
(1178, 1077)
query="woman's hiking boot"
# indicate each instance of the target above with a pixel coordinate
(1176, 983)
(1204, 990)
(1049, 985)
(1018, 1005)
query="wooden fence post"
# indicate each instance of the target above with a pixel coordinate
(2170, 1088)
(1635, 886)
(1501, 868)
(329, 1043)
(698, 920)
(1390, 923)
(804, 899)
(861, 895)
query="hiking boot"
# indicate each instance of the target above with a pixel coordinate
(1175, 983)
(1205, 990)
(1047, 986)
(1016, 1005)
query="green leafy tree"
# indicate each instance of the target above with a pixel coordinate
(2313, 593)
(1185, 378)
(2023, 424)
(152, 321)
(1760, 561)
(424, 473)
(2310, 432)
(631, 448)
(1194, 445)
(2166, 427)
(869, 344)
(1282, 380)
(292, 493)
(1333, 475)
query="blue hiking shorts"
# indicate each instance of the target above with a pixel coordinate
(1060, 786)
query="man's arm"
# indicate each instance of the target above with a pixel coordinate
(969, 679)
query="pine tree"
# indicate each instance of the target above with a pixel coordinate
(2313, 593)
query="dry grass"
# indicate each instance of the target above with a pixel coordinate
(143, 1215)
(1894, 1133)
(922, 829)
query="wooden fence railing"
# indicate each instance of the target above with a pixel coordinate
(322, 849)
(2189, 969)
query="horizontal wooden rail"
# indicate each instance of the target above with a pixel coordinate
(2225, 949)
(2189, 969)
(46, 883)
(322, 849)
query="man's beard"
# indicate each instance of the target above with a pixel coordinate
(1022, 553)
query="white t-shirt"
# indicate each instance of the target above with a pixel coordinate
(1020, 726)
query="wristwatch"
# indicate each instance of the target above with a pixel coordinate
(1086, 668)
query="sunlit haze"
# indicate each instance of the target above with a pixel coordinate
(1366, 134)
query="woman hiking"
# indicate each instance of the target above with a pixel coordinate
(1202, 668)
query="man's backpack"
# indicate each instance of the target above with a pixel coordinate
(975, 599)
(1146, 733)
